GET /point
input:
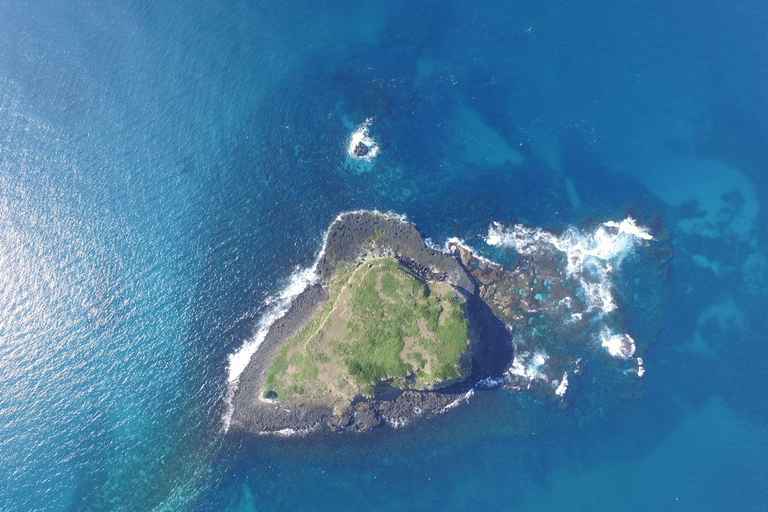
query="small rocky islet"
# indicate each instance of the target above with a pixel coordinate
(393, 330)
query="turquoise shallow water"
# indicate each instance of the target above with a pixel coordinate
(165, 168)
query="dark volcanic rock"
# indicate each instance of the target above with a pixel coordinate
(364, 234)
(366, 417)
(361, 150)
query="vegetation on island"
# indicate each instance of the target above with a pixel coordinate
(383, 323)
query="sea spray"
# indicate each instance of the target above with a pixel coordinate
(361, 146)
(486, 383)
(278, 305)
(591, 258)
(620, 346)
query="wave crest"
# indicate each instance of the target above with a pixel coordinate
(361, 146)
(591, 257)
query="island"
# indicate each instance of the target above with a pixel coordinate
(393, 329)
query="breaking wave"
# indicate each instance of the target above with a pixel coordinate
(591, 258)
(562, 386)
(527, 367)
(289, 432)
(463, 398)
(621, 346)
(361, 146)
(278, 305)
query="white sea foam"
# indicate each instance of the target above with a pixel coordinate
(360, 135)
(464, 398)
(289, 432)
(398, 422)
(453, 242)
(278, 306)
(486, 383)
(591, 258)
(280, 303)
(628, 226)
(621, 346)
(529, 367)
(563, 386)
(489, 383)
(640, 367)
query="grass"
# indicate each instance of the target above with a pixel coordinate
(381, 324)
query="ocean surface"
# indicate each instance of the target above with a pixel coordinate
(168, 168)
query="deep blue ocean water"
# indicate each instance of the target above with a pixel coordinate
(165, 167)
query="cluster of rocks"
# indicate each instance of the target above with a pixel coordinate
(361, 149)
(425, 273)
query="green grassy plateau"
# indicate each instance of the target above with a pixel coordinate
(382, 324)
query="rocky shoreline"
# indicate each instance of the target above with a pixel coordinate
(355, 237)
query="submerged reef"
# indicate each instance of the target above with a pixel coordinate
(389, 329)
